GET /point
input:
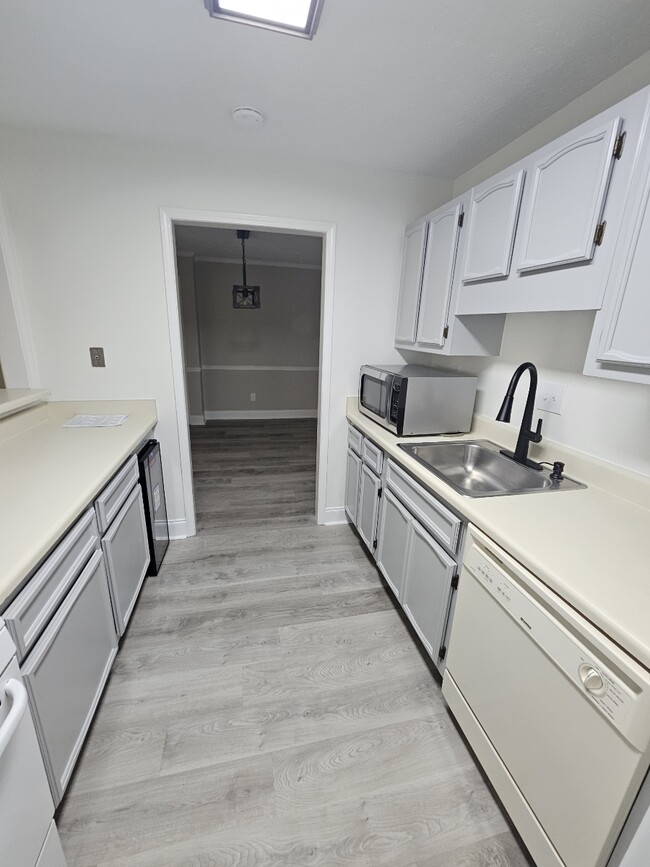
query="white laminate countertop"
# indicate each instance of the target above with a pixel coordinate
(592, 547)
(49, 474)
(13, 400)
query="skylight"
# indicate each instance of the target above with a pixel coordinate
(298, 17)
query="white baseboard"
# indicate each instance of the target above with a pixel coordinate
(197, 419)
(335, 515)
(235, 414)
(178, 528)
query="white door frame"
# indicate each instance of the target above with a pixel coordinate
(19, 358)
(171, 216)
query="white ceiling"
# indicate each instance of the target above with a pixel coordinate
(276, 247)
(427, 86)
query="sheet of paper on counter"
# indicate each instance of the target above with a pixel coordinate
(96, 421)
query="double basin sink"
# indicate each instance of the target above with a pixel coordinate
(476, 468)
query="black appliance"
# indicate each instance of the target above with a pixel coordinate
(155, 507)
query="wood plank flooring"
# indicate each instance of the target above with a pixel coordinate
(269, 706)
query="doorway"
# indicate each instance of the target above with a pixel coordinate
(187, 399)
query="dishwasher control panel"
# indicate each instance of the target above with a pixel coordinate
(610, 695)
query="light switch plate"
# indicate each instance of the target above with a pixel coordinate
(97, 356)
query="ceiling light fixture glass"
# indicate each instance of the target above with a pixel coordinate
(298, 17)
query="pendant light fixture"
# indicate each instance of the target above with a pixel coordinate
(245, 297)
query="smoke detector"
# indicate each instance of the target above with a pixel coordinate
(245, 116)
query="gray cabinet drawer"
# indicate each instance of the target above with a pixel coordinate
(110, 501)
(355, 440)
(126, 551)
(373, 456)
(436, 518)
(32, 609)
(66, 671)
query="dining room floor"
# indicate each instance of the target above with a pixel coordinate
(269, 704)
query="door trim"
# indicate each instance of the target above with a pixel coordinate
(327, 231)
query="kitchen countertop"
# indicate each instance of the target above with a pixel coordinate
(15, 399)
(592, 546)
(50, 474)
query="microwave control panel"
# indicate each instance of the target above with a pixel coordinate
(396, 399)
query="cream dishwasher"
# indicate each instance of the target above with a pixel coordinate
(556, 713)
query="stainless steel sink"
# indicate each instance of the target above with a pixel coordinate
(476, 468)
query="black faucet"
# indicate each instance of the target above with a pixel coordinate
(526, 434)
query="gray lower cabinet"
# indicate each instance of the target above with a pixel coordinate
(66, 671)
(393, 536)
(428, 575)
(126, 551)
(352, 479)
(368, 508)
(421, 572)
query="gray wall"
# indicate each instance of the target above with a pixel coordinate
(272, 352)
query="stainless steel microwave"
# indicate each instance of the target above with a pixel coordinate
(412, 400)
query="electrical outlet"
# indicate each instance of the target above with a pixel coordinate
(253, 397)
(97, 356)
(550, 397)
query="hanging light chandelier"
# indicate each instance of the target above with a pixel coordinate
(245, 297)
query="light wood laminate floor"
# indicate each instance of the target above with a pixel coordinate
(268, 705)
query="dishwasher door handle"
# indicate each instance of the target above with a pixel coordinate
(15, 690)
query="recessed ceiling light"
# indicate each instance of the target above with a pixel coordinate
(298, 17)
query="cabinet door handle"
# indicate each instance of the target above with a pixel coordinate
(18, 694)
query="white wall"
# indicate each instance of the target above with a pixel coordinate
(84, 211)
(604, 418)
(271, 352)
(190, 337)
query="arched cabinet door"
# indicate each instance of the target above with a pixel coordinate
(625, 337)
(415, 241)
(438, 275)
(569, 183)
(492, 223)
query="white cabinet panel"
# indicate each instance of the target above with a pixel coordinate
(126, 550)
(620, 342)
(410, 284)
(368, 510)
(569, 181)
(573, 185)
(438, 274)
(67, 669)
(352, 486)
(492, 221)
(427, 587)
(626, 338)
(392, 538)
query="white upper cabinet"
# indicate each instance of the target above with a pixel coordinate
(572, 205)
(620, 343)
(569, 183)
(426, 318)
(415, 240)
(438, 275)
(491, 224)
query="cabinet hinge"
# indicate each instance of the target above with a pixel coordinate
(454, 581)
(619, 144)
(379, 493)
(461, 219)
(443, 653)
(374, 545)
(600, 231)
(445, 332)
